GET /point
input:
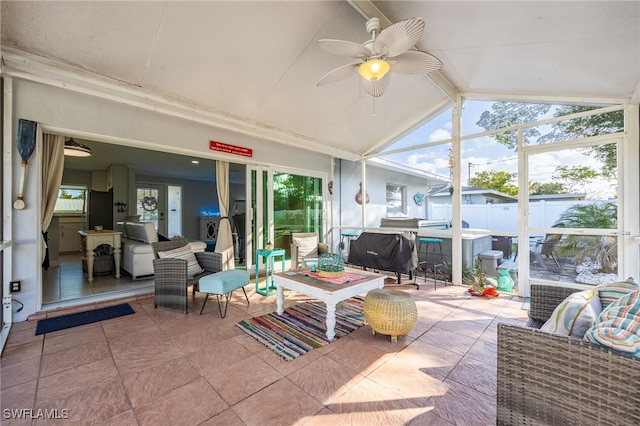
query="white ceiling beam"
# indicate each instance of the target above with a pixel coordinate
(29, 67)
(402, 132)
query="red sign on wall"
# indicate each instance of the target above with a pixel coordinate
(230, 149)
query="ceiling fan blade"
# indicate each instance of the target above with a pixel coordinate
(414, 62)
(376, 88)
(338, 74)
(399, 37)
(345, 48)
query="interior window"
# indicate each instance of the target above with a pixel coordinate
(71, 199)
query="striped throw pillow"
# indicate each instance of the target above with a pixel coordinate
(574, 315)
(185, 253)
(618, 326)
(611, 292)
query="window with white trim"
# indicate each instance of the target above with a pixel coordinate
(72, 199)
(396, 200)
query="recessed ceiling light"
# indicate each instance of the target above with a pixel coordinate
(195, 162)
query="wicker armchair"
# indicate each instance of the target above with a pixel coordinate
(171, 280)
(544, 378)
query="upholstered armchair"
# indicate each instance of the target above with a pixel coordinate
(176, 268)
(305, 245)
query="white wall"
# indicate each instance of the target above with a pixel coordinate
(59, 108)
(377, 179)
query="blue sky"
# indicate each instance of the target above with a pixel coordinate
(486, 153)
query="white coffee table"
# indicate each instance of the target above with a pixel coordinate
(330, 294)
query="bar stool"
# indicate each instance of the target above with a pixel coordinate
(430, 245)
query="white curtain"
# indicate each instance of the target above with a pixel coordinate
(52, 167)
(224, 242)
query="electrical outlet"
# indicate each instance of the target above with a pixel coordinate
(16, 286)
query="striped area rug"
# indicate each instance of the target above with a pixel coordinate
(302, 328)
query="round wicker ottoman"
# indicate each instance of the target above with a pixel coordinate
(389, 311)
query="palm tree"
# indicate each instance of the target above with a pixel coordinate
(601, 249)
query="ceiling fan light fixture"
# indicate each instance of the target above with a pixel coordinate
(374, 69)
(75, 149)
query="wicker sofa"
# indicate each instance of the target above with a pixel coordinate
(543, 378)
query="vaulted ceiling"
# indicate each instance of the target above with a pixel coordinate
(252, 66)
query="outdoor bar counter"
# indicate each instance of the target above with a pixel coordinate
(472, 244)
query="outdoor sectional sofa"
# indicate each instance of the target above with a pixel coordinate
(545, 378)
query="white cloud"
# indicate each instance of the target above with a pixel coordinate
(439, 135)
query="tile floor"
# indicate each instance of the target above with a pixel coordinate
(158, 366)
(66, 281)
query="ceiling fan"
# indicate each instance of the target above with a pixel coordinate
(392, 49)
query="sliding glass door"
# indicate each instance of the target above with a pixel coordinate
(283, 203)
(297, 207)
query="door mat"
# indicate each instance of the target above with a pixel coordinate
(50, 325)
(302, 327)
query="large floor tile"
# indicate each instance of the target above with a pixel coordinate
(448, 340)
(136, 351)
(92, 405)
(407, 379)
(461, 405)
(190, 404)
(433, 361)
(280, 403)
(325, 379)
(359, 356)
(371, 403)
(146, 385)
(238, 381)
(75, 380)
(55, 362)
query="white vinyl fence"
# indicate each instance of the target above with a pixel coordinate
(504, 217)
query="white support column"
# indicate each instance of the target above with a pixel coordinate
(7, 209)
(523, 218)
(456, 198)
(363, 189)
(628, 246)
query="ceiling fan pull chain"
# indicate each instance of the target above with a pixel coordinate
(374, 106)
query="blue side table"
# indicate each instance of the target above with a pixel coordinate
(269, 259)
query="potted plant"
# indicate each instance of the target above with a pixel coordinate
(478, 281)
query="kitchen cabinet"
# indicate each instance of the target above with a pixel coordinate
(102, 180)
(69, 241)
(109, 177)
(99, 180)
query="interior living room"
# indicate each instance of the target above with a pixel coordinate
(108, 192)
(488, 150)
